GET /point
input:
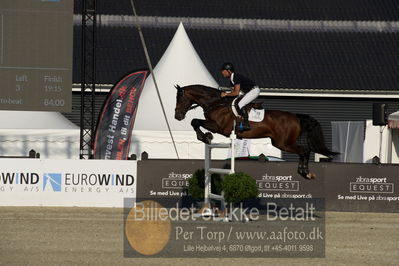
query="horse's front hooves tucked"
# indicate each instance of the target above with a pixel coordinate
(208, 138)
(207, 141)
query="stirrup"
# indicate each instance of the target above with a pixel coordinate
(243, 127)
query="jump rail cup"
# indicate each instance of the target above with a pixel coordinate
(209, 171)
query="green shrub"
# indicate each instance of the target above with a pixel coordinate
(238, 187)
(196, 186)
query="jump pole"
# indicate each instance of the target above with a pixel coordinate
(206, 209)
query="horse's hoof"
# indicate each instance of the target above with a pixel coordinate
(311, 176)
(208, 136)
(205, 140)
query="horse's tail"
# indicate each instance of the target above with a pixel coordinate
(314, 135)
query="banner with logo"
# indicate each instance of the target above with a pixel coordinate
(117, 118)
(83, 183)
(345, 187)
(275, 180)
(363, 187)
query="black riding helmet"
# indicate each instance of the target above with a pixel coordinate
(228, 66)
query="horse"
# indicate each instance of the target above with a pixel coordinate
(283, 128)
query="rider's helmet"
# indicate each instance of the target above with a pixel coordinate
(227, 66)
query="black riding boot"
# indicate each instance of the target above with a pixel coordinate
(244, 124)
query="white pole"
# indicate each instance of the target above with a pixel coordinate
(207, 175)
(153, 75)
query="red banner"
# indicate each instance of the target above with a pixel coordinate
(114, 127)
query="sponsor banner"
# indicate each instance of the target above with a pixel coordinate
(165, 179)
(363, 187)
(83, 183)
(280, 180)
(117, 118)
(169, 179)
(346, 187)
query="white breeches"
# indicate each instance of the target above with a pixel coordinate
(249, 97)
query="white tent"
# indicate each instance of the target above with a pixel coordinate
(180, 64)
(48, 133)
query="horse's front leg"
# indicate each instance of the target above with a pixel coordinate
(209, 125)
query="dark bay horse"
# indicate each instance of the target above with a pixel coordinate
(283, 128)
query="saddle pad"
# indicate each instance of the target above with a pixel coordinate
(256, 115)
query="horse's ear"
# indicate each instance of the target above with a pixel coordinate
(177, 87)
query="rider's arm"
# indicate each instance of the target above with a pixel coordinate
(234, 92)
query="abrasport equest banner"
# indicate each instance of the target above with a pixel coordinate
(117, 118)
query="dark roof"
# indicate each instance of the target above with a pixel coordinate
(119, 51)
(274, 59)
(369, 10)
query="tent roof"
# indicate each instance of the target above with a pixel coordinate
(34, 120)
(180, 64)
(394, 116)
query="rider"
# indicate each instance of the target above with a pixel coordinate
(241, 86)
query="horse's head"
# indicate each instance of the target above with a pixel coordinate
(183, 103)
(189, 97)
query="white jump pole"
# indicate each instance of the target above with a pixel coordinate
(209, 170)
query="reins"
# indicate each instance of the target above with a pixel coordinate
(209, 105)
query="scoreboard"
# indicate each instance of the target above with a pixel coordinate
(36, 40)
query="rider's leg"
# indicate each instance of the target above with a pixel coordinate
(248, 97)
(244, 126)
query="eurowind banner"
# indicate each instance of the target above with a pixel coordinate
(114, 128)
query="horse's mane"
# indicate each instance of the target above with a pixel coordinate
(202, 88)
(210, 91)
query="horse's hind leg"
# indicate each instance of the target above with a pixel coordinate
(303, 168)
(303, 165)
(303, 153)
(306, 172)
